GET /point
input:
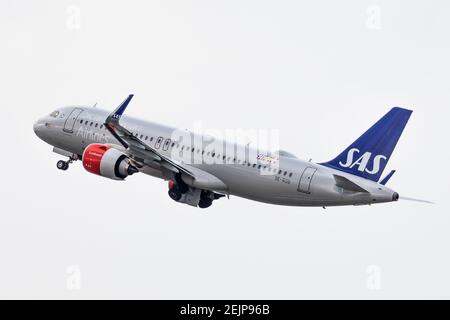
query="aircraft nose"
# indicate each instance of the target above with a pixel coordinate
(38, 127)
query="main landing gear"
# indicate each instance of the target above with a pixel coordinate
(175, 193)
(205, 201)
(180, 192)
(177, 188)
(207, 198)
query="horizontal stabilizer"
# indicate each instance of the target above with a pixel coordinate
(387, 178)
(346, 184)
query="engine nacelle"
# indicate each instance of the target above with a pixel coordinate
(107, 162)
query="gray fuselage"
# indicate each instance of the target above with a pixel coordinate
(248, 173)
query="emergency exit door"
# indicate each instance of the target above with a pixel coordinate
(305, 180)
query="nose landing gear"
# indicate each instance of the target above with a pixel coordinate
(64, 165)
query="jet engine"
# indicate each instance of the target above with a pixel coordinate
(107, 162)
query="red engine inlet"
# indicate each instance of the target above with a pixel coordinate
(108, 162)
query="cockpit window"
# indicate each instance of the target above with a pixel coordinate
(54, 114)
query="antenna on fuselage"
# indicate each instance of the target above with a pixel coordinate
(95, 105)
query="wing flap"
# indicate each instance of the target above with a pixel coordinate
(203, 180)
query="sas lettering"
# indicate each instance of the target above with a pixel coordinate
(363, 161)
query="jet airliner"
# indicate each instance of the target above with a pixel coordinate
(115, 146)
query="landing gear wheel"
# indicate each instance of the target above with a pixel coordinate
(62, 165)
(205, 203)
(175, 194)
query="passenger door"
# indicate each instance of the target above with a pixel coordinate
(71, 120)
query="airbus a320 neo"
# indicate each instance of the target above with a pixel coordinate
(116, 146)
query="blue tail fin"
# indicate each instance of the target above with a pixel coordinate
(367, 157)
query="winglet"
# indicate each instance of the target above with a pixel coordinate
(112, 122)
(117, 114)
(387, 178)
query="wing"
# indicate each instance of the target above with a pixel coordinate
(139, 149)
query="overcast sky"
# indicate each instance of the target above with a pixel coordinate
(320, 72)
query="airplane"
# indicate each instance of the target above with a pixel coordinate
(115, 146)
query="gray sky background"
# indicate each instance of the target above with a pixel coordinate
(321, 72)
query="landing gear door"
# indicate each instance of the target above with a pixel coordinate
(305, 180)
(71, 120)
